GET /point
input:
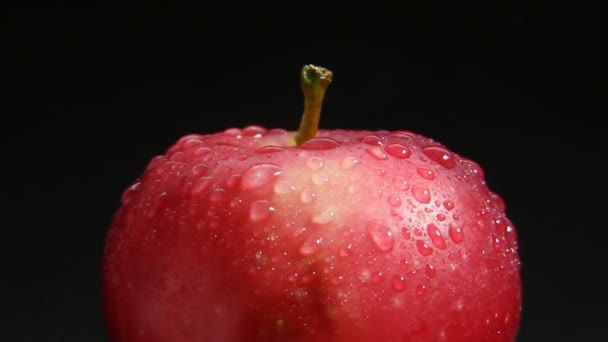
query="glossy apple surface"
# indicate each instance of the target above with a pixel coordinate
(350, 236)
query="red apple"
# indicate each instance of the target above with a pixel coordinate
(261, 234)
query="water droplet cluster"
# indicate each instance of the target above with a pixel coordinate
(241, 180)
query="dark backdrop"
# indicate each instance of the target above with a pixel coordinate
(94, 94)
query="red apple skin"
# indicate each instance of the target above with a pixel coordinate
(352, 236)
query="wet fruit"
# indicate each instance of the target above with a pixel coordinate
(259, 234)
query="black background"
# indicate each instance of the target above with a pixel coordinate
(94, 94)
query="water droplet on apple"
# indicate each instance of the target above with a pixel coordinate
(176, 156)
(212, 211)
(270, 149)
(201, 151)
(155, 205)
(129, 194)
(277, 132)
(319, 144)
(259, 175)
(403, 134)
(394, 200)
(423, 248)
(254, 131)
(425, 173)
(283, 187)
(319, 179)
(456, 233)
(155, 163)
(448, 205)
(372, 140)
(505, 228)
(311, 245)
(503, 225)
(236, 202)
(375, 193)
(421, 193)
(201, 186)
(307, 196)
(349, 163)
(325, 216)
(406, 233)
(497, 244)
(214, 222)
(217, 195)
(395, 213)
(398, 151)
(497, 202)
(440, 217)
(436, 237)
(346, 250)
(232, 181)
(260, 210)
(440, 155)
(337, 280)
(421, 290)
(473, 169)
(377, 277)
(175, 166)
(377, 153)
(398, 282)
(199, 170)
(315, 163)
(430, 271)
(234, 132)
(381, 235)
(190, 142)
(401, 183)
(365, 276)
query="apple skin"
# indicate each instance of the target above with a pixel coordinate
(351, 236)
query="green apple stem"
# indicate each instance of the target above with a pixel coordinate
(315, 81)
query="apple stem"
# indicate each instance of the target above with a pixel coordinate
(314, 81)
